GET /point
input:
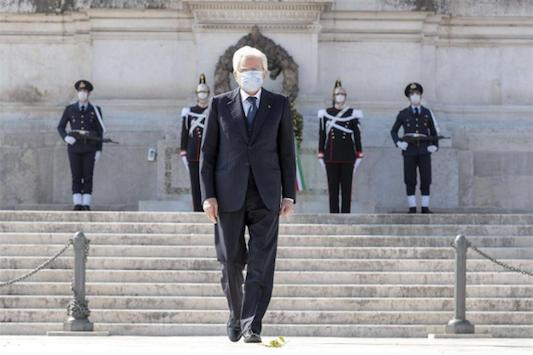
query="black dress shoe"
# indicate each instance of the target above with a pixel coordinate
(251, 337)
(86, 208)
(78, 208)
(234, 331)
(426, 210)
(412, 209)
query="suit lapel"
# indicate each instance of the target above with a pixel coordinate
(237, 112)
(265, 106)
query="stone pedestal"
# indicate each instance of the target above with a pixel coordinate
(78, 325)
(459, 326)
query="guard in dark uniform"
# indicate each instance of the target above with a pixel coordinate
(339, 147)
(420, 140)
(85, 122)
(192, 130)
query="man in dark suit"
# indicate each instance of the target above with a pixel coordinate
(248, 179)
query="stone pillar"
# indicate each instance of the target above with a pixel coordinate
(78, 309)
(459, 324)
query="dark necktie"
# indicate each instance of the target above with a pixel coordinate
(83, 109)
(416, 111)
(250, 115)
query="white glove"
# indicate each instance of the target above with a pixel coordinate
(185, 162)
(70, 140)
(98, 155)
(357, 163)
(322, 164)
(432, 148)
(402, 145)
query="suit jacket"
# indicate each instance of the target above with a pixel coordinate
(229, 154)
(411, 124)
(87, 121)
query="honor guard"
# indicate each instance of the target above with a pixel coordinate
(339, 147)
(420, 140)
(84, 143)
(192, 129)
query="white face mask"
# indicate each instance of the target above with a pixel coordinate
(340, 98)
(202, 95)
(83, 96)
(251, 81)
(415, 99)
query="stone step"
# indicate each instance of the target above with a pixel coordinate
(329, 229)
(324, 218)
(9, 250)
(281, 277)
(289, 330)
(272, 317)
(337, 275)
(284, 240)
(282, 264)
(284, 290)
(277, 303)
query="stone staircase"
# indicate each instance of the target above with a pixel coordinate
(346, 275)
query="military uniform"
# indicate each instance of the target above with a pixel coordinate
(340, 144)
(82, 119)
(416, 121)
(192, 130)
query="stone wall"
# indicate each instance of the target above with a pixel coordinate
(474, 58)
(449, 7)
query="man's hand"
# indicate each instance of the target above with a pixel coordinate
(70, 140)
(432, 148)
(320, 156)
(402, 145)
(211, 209)
(98, 155)
(287, 208)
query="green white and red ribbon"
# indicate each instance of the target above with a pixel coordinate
(300, 182)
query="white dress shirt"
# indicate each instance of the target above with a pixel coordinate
(419, 107)
(246, 104)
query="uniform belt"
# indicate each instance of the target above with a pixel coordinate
(416, 138)
(82, 132)
(83, 136)
(415, 135)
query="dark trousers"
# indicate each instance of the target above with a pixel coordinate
(194, 172)
(259, 256)
(412, 163)
(340, 176)
(82, 168)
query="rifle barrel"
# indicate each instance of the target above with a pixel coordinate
(88, 137)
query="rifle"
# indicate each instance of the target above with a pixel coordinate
(88, 136)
